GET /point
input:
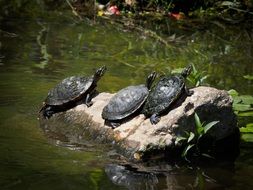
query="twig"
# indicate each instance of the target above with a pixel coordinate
(73, 10)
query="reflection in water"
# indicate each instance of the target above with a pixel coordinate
(167, 177)
(121, 175)
(42, 42)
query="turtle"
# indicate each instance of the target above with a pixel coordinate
(71, 91)
(127, 102)
(167, 90)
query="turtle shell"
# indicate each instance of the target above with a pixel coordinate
(69, 90)
(125, 102)
(164, 94)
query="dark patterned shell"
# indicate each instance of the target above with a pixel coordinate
(164, 93)
(68, 90)
(125, 102)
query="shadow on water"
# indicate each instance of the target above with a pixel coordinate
(37, 53)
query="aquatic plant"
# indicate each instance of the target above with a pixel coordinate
(196, 77)
(242, 104)
(192, 139)
(243, 108)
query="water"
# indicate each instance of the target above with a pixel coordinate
(35, 54)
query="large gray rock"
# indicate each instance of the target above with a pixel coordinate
(137, 137)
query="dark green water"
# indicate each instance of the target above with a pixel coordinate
(35, 54)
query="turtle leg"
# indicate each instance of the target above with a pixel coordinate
(88, 101)
(154, 119)
(112, 124)
(48, 112)
(187, 91)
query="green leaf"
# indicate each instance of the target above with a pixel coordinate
(187, 133)
(208, 126)
(186, 150)
(247, 99)
(249, 125)
(237, 100)
(242, 107)
(191, 137)
(197, 83)
(248, 137)
(246, 114)
(194, 68)
(178, 139)
(249, 77)
(198, 124)
(176, 71)
(207, 155)
(233, 93)
(247, 129)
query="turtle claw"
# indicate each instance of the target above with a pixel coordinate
(154, 119)
(188, 92)
(114, 125)
(111, 124)
(89, 104)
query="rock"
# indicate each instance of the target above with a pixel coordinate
(137, 138)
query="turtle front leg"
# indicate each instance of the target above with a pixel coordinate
(154, 119)
(48, 112)
(187, 91)
(88, 101)
(112, 124)
(89, 97)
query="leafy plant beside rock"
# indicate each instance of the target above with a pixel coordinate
(192, 139)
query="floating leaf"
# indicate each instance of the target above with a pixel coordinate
(208, 126)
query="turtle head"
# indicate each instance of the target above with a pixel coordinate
(99, 73)
(150, 79)
(187, 71)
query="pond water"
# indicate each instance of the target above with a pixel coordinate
(35, 54)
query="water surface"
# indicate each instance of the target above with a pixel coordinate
(35, 54)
